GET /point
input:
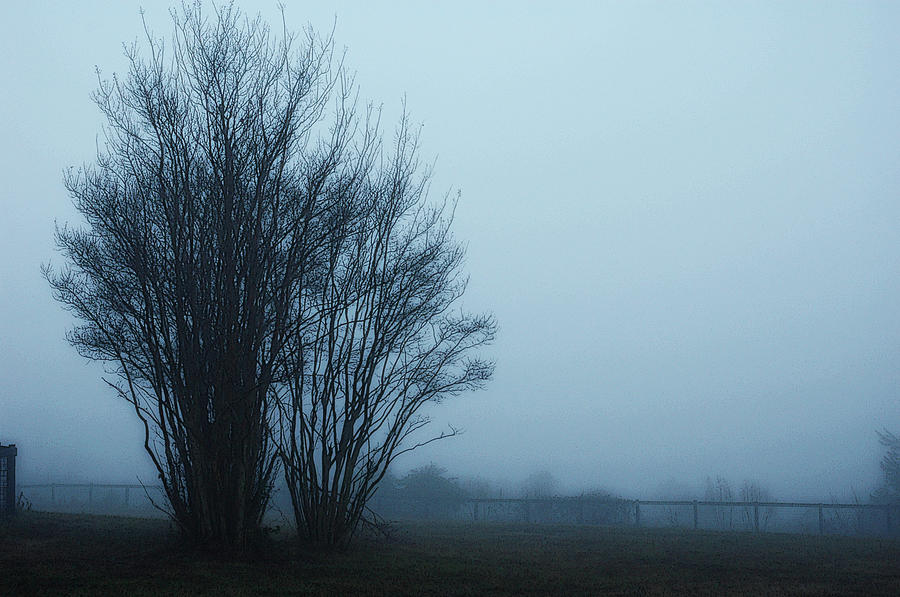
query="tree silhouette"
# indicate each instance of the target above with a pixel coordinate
(203, 214)
(265, 282)
(383, 341)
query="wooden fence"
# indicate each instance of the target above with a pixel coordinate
(635, 510)
(754, 516)
(97, 494)
(887, 511)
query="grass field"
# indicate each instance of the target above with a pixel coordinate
(63, 554)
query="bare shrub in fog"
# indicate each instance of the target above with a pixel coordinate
(889, 491)
(204, 213)
(671, 489)
(847, 520)
(481, 488)
(752, 491)
(384, 340)
(540, 484)
(248, 267)
(671, 514)
(720, 491)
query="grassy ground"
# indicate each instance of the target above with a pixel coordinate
(62, 554)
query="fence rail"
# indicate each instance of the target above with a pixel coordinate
(89, 485)
(879, 518)
(93, 491)
(751, 509)
(820, 507)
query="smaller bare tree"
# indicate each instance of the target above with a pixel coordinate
(752, 491)
(889, 491)
(720, 491)
(382, 341)
(540, 484)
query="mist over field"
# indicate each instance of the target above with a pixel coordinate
(684, 218)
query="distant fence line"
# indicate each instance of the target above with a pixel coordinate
(889, 511)
(92, 488)
(820, 507)
(626, 511)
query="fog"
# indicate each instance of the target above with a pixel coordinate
(685, 220)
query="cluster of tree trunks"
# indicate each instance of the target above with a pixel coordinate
(266, 279)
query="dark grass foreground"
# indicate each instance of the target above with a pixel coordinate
(61, 554)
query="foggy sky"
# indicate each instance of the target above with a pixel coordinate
(685, 219)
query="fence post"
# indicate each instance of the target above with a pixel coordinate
(637, 513)
(527, 511)
(11, 476)
(7, 479)
(821, 520)
(53, 493)
(696, 516)
(756, 516)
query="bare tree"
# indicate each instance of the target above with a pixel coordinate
(889, 491)
(753, 491)
(540, 484)
(207, 206)
(720, 491)
(383, 341)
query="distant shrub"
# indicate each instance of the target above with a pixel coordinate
(424, 493)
